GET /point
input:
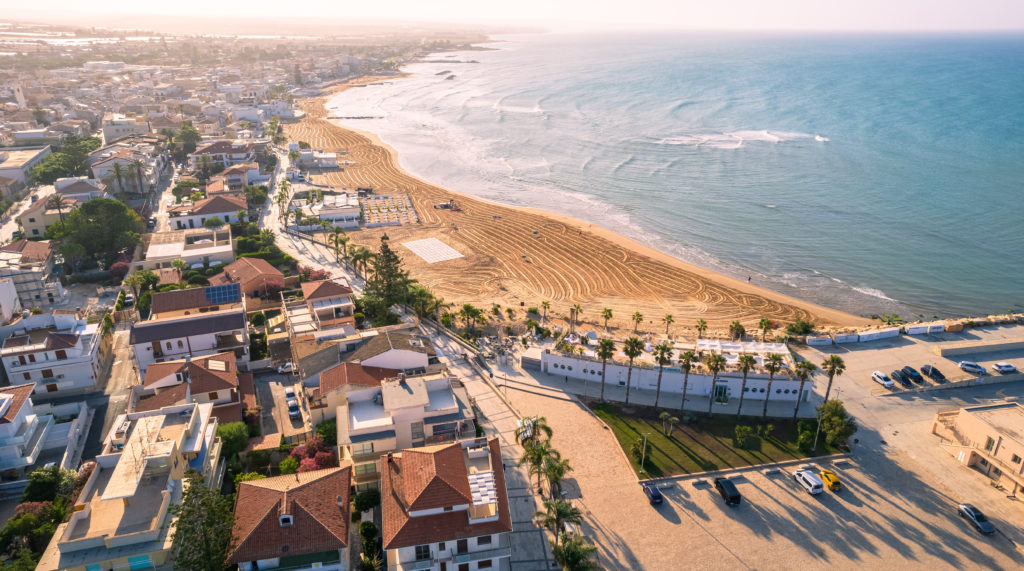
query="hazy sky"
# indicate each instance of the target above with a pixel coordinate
(728, 14)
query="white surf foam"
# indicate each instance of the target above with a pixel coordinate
(737, 139)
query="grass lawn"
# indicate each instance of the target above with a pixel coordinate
(702, 445)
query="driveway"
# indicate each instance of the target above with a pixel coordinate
(274, 419)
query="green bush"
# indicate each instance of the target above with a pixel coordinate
(532, 310)
(366, 500)
(799, 327)
(258, 319)
(234, 437)
(289, 466)
(328, 431)
(742, 435)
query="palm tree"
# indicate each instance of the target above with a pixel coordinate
(573, 554)
(715, 363)
(773, 364)
(436, 306)
(536, 456)
(266, 237)
(736, 330)
(182, 267)
(59, 203)
(140, 171)
(241, 215)
(468, 314)
(663, 356)
(804, 369)
(833, 367)
(686, 363)
(134, 281)
(546, 305)
(574, 314)
(637, 318)
(667, 320)
(606, 313)
(632, 348)
(337, 233)
(605, 351)
(535, 427)
(556, 514)
(702, 326)
(555, 470)
(764, 325)
(747, 362)
(119, 175)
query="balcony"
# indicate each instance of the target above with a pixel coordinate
(502, 553)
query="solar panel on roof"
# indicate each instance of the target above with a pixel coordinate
(229, 293)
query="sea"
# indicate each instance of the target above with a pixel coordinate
(868, 173)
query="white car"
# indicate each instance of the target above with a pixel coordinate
(971, 367)
(810, 481)
(285, 368)
(882, 379)
(289, 393)
(1004, 368)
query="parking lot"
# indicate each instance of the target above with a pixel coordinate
(274, 418)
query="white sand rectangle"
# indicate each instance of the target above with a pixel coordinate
(432, 250)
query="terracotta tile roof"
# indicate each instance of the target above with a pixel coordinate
(247, 391)
(52, 342)
(224, 147)
(203, 377)
(245, 271)
(20, 394)
(220, 204)
(388, 340)
(169, 276)
(30, 251)
(319, 523)
(215, 185)
(172, 396)
(324, 289)
(353, 374)
(226, 413)
(432, 477)
(179, 299)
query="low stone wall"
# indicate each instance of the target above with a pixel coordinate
(975, 347)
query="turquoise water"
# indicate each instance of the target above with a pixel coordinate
(867, 173)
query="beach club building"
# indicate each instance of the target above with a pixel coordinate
(729, 384)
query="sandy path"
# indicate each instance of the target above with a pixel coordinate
(566, 262)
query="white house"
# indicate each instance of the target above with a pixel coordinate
(58, 352)
(10, 305)
(171, 339)
(17, 162)
(198, 248)
(32, 267)
(411, 354)
(446, 507)
(22, 431)
(317, 159)
(223, 154)
(212, 379)
(194, 214)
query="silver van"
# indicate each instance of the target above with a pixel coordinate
(882, 379)
(810, 481)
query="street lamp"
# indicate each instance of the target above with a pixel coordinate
(643, 452)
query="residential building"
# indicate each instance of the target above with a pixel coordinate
(80, 188)
(16, 162)
(400, 412)
(411, 354)
(40, 215)
(223, 154)
(161, 340)
(10, 305)
(213, 379)
(116, 125)
(326, 311)
(32, 266)
(446, 507)
(237, 177)
(341, 210)
(253, 275)
(201, 247)
(59, 352)
(9, 186)
(194, 214)
(121, 518)
(333, 384)
(297, 521)
(195, 300)
(989, 439)
(22, 431)
(30, 137)
(317, 159)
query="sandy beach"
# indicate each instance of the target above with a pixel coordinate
(514, 255)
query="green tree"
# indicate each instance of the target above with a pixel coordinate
(536, 427)
(367, 500)
(765, 325)
(736, 330)
(213, 222)
(747, 363)
(686, 360)
(247, 477)
(536, 456)
(328, 431)
(234, 437)
(546, 305)
(605, 351)
(633, 347)
(773, 364)
(804, 370)
(637, 318)
(573, 553)
(715, 363)
(836, 424)
(640, 450)
(119, 173)
(288, 466)
(574, 314)
(45, 484)
(701, 327)
(556, 514)
(667, 320)
(662, 356)
(390, 282)
(201, 536)
(103, 227)
(606, 313)
(833, 367)
(188, 136)
(59, 203)
(555, 470)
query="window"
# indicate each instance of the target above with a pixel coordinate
(28, 376)
(989, 443)
(364, 469)
(483, 540)
(449, 508)
(286, 521)
(47, 373)
(422, 552)
(362, 449)
(35, 231)
(51, 388)
(31, 219)
(212, 395)
(31, 358)
(168, 345)
(485, 564)
(417, 431)
(1015, 459)
(61, 354)
(180, 345)
(444, 428)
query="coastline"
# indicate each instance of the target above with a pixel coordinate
(490, 272)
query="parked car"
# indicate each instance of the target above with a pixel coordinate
(289, 393)
(653, 494)
(935, 374)
(903, 379)
(285, 368)
(977, 519)
(971, 367)
(129, 300)
(728, 491)
(912, 374)
(293, 409)
(17, 235)
(1005, 368)
(809, 481)
(880, 378)
(831, 480)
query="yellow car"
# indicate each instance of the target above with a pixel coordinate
(831, 480)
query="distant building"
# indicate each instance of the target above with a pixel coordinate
(317, 159)
(341, 210)
(298, 521)
(253, 275)
(58, 352)
(22, 431)
(194, 214)
(10, 305)
(989, 439)
(16, 163)
(176, 338)
(199, 248)
(40, 215)
(223, 154)
(446, 507)
(121, 518)
(82, 189)
(326, 311)
(32, 267)
(116, 125)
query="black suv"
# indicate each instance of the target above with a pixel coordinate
(912, 374)
(934, 373)
(901, 378)
(728, 491)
